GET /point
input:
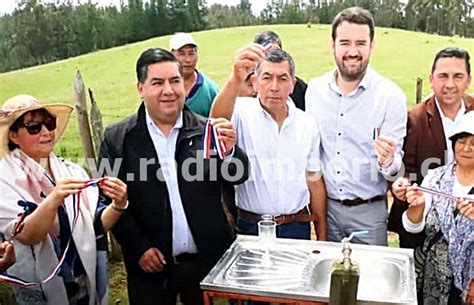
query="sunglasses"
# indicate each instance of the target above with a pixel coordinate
(34, 127)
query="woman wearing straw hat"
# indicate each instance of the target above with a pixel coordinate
(443, 207)
(50, 209)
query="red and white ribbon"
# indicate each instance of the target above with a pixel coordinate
(376, 133)
(19, 225)
(211, 140)
(267, 44)
(441, 194)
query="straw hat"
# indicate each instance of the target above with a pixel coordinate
(18, 105)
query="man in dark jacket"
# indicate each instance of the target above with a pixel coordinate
(175, 228)
(426, 145)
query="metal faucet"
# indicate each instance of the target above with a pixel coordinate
(346, 249)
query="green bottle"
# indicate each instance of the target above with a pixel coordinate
(344, 280)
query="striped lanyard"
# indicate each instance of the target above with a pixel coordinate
(211, 140)
(76, 201)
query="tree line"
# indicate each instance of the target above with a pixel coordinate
(39, 32)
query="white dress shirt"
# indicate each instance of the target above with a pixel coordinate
(183, 241)
(346, 124)
(279, 159)
(448, 127)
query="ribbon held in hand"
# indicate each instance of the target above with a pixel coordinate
(19, 225)
(212, 141)
(441, 194)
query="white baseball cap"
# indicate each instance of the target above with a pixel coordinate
(465, 126)
(179, 40)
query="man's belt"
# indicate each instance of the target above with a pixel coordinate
(301, 216)
(358, 201)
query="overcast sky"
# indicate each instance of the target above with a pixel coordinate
(7, 6)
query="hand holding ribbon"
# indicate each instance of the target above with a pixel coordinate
(246, 59)
(62, 190)
(414, 196)
(399, 188)
(221, 135)
(385, 149)
(115, 189)
(464, 204)
(466, 207)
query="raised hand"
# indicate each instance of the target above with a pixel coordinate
(226, 131)
(246, 59)
(385, 150)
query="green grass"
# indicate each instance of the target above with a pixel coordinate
(400, 55)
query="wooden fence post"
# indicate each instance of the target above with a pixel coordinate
(97, 128)
(419, 89)
(96, 124)
(83, 119)
(88, 141)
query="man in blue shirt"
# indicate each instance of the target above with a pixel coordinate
(200, 89)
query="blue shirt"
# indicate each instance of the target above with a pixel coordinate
(202, 95)
(347, 124)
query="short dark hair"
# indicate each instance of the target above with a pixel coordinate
(278, 56)
(261, 37)
(21, 119)
(453, 52)
(355, 15)
(153, 56)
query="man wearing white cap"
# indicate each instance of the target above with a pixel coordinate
(200, 89)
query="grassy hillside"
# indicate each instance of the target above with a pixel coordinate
(402, 56)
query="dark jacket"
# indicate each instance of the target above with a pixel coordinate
(298, 93)
(425, 139)
(148, 221)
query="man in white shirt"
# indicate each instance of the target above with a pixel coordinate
(282, 143)
(361, 116)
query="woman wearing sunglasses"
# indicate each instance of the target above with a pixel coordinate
(50, 209)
